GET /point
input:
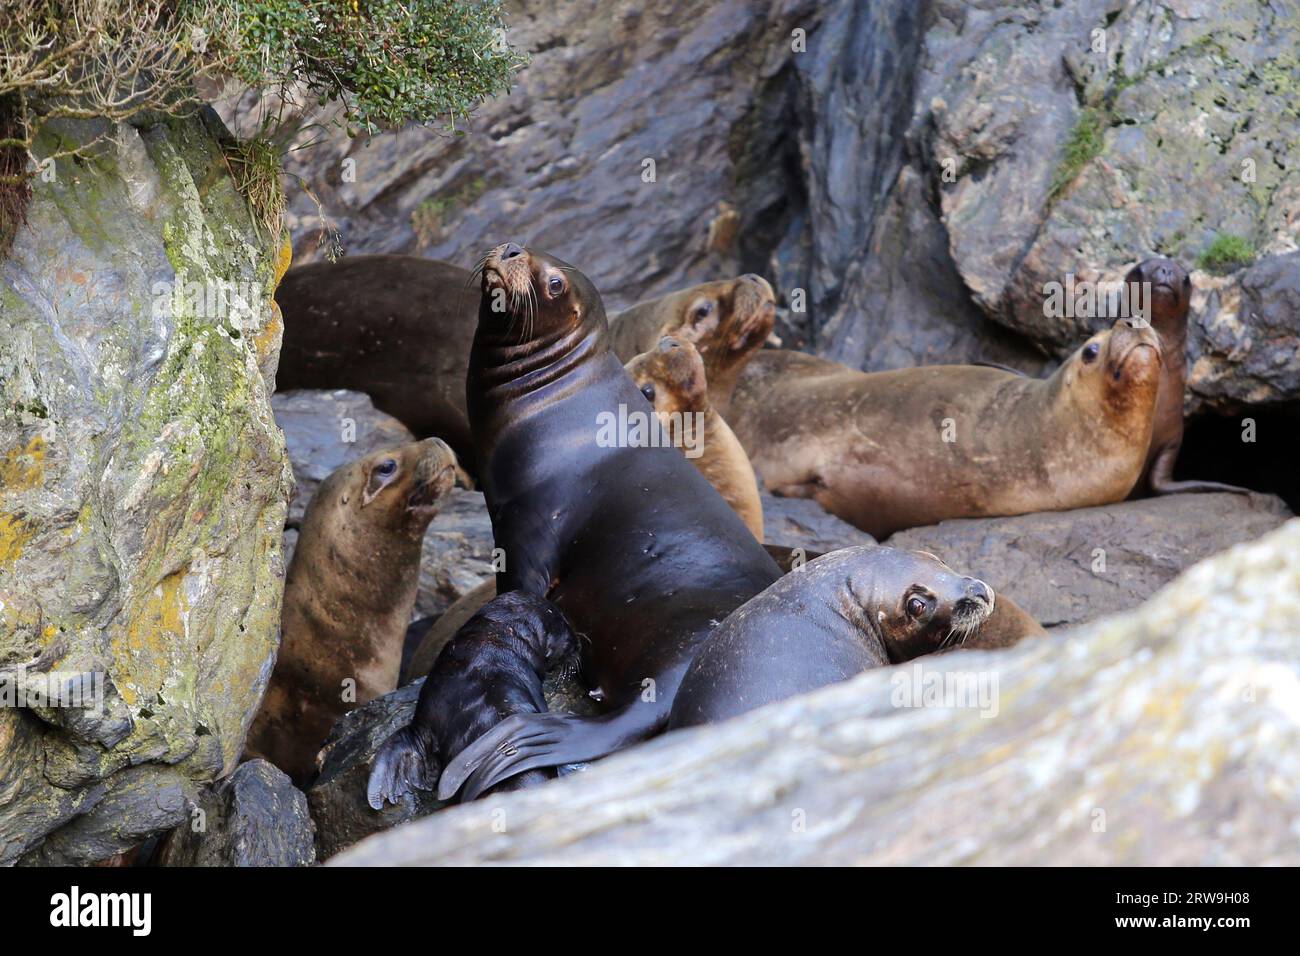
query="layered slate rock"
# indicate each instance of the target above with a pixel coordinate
(1163, 736)
(1066, 567)
(143, 490)
(255, 817)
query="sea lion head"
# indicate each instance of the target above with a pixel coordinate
(671, 377)
(1170, 293)
(530, 296)
(1117, 369)
(918, 604)
(400, 489)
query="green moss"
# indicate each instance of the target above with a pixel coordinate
(1084, 144)
(428, 218)
(1226, 254)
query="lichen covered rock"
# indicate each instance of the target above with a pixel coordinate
(144, 484)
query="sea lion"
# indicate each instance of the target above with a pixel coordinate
(671, 377)
(395, 327)
(638, 550)
(893, 450)
(348, 596)
(432, 634)
(726, 321)
(492, 669)
(841, 614)
(1168, 302)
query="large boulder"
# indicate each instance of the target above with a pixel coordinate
(803, 523)
(1166, 735)
(1066, 567)
(457, 553)
(143, 487)
(255, 817)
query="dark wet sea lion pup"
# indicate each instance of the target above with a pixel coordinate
(893, 450)
(638, 550)
(726, 321)
(492, 669)
(837, 616)
(1170, 298)
(671, 377)
(348, 597)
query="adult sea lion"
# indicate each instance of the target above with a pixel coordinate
(892, 450)
(395, 327)
(1170, 297)
(348, 596)
(841, 614)
(726, 321)
(492, 669)
(671, 377)
(638, 550)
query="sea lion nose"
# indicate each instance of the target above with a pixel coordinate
(1164, 274)
(977, 590)
(668, 343)
(511, 250)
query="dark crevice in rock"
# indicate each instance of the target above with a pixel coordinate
(1213, 450)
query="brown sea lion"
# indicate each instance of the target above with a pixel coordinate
(1168, 303)
(632, 544)
(395, 327)
(893, 450)
(348, 596)
(726, 321)
(671, 377)
(837, 616)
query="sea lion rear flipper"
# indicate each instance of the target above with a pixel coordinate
(402, 764)
(1162, 481)
(532, 741)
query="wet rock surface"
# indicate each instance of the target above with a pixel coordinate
(255, 817)
(1166, 735)
(803, 523)
(1067, 567)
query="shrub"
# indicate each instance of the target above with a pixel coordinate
(1226, 253)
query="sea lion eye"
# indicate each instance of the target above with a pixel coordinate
(648, 390)
(916, 606)
(1091, 351)
(386, 468)
(555, 285)
(702, 309)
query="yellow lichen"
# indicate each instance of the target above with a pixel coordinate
(153, 641)
(14, 535)
(23, 468)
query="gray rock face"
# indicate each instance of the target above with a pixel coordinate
(325, 430)
(255, 817)
(143, 487)
(1166, 735)
(562, 159)
(803, 523)
(1067, 567)
(457, 554)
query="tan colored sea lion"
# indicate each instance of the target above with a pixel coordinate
(671, 377)
(893, 450)
(726, 321)
(348, 597)
(1168, 303)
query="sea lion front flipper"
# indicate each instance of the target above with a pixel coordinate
(1162, 481)
(403, 764)
(531, 741)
